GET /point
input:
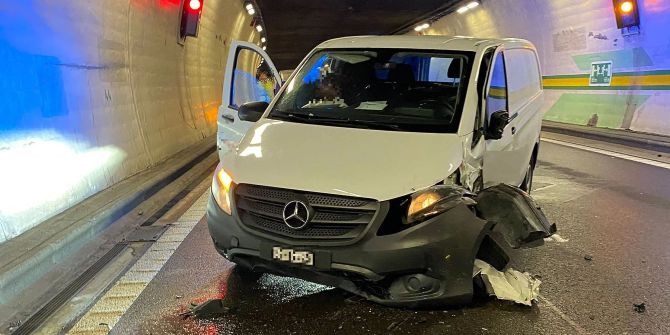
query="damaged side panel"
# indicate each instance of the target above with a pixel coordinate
(516, 216)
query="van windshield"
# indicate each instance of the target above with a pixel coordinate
(387, 89)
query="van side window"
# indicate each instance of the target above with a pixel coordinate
(524, 82)
(252, 80)
(497, 97)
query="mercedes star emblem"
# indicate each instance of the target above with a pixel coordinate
(296, 214)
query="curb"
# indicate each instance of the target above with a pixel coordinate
(624, 137)
(24, 270)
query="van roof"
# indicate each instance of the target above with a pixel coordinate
(462, 43)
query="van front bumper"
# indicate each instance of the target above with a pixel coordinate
(427, 265)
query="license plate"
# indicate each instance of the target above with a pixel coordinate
(293, 256)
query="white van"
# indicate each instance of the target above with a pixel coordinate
(384, 165)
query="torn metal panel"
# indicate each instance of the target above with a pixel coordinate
(517, 217)
(510, 285)
(471, 167)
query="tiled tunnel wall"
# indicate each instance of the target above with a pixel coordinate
(570, 36)
(95, 91)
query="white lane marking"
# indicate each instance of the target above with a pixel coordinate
(610, 153)
(562, 315)
(556, 238)
(107, 311)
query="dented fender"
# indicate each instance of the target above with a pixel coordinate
(515, 215)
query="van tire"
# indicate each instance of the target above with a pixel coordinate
(527, 183)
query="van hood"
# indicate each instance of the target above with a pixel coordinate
(366, 163)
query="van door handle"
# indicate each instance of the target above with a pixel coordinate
(513, 130)
(228, 117)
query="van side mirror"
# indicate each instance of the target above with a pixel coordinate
(252, 111)
(497, 124)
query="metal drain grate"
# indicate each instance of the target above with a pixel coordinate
(178, 197)
(65, 295)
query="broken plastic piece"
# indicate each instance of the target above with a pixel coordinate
(517, 216)
(209, 308)
(511, 285)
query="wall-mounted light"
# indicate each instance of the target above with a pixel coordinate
(250, 9)
(467, 7)
(259, 28)
(421, 27)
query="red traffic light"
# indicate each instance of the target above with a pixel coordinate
(626, 13)
(626, 7)
(195, 4)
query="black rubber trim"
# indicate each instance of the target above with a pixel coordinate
(66, 294)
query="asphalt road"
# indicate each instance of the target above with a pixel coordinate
(613, 211)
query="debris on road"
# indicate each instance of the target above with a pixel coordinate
(640, 308)
(511, 285)
(588, 257)
(209, 308)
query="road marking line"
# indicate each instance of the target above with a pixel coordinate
(107, 311)
(610, 153)
(562, 315)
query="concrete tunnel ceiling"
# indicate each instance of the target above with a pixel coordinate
(296, 26)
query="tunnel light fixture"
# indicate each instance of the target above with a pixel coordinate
(265, 47)
(421, 27)
(259, 28)
(250, 9)
(263, 39)
(469, 6)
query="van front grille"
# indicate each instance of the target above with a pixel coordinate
(260, 208)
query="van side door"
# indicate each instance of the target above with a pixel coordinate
(525, 99)
(499, 165)
(250, 76)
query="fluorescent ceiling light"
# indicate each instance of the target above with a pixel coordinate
(462, 10)
(472, 5)
(421, 27)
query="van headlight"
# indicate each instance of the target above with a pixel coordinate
(221, 186)
(436, 200)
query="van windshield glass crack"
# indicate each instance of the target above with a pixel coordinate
(387, 89)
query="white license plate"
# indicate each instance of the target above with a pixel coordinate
(293, 256)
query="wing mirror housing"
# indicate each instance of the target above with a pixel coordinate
(252, 111)
(497, 124)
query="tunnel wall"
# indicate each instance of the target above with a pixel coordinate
(572, 34)
(95, 91)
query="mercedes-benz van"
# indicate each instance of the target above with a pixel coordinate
(384, 165)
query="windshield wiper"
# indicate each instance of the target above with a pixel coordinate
(377, 124)
(310, 118)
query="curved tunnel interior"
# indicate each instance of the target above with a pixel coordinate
(115, 113)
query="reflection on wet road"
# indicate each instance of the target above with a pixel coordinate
(617, 221)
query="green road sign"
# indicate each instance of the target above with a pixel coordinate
(601, 73)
